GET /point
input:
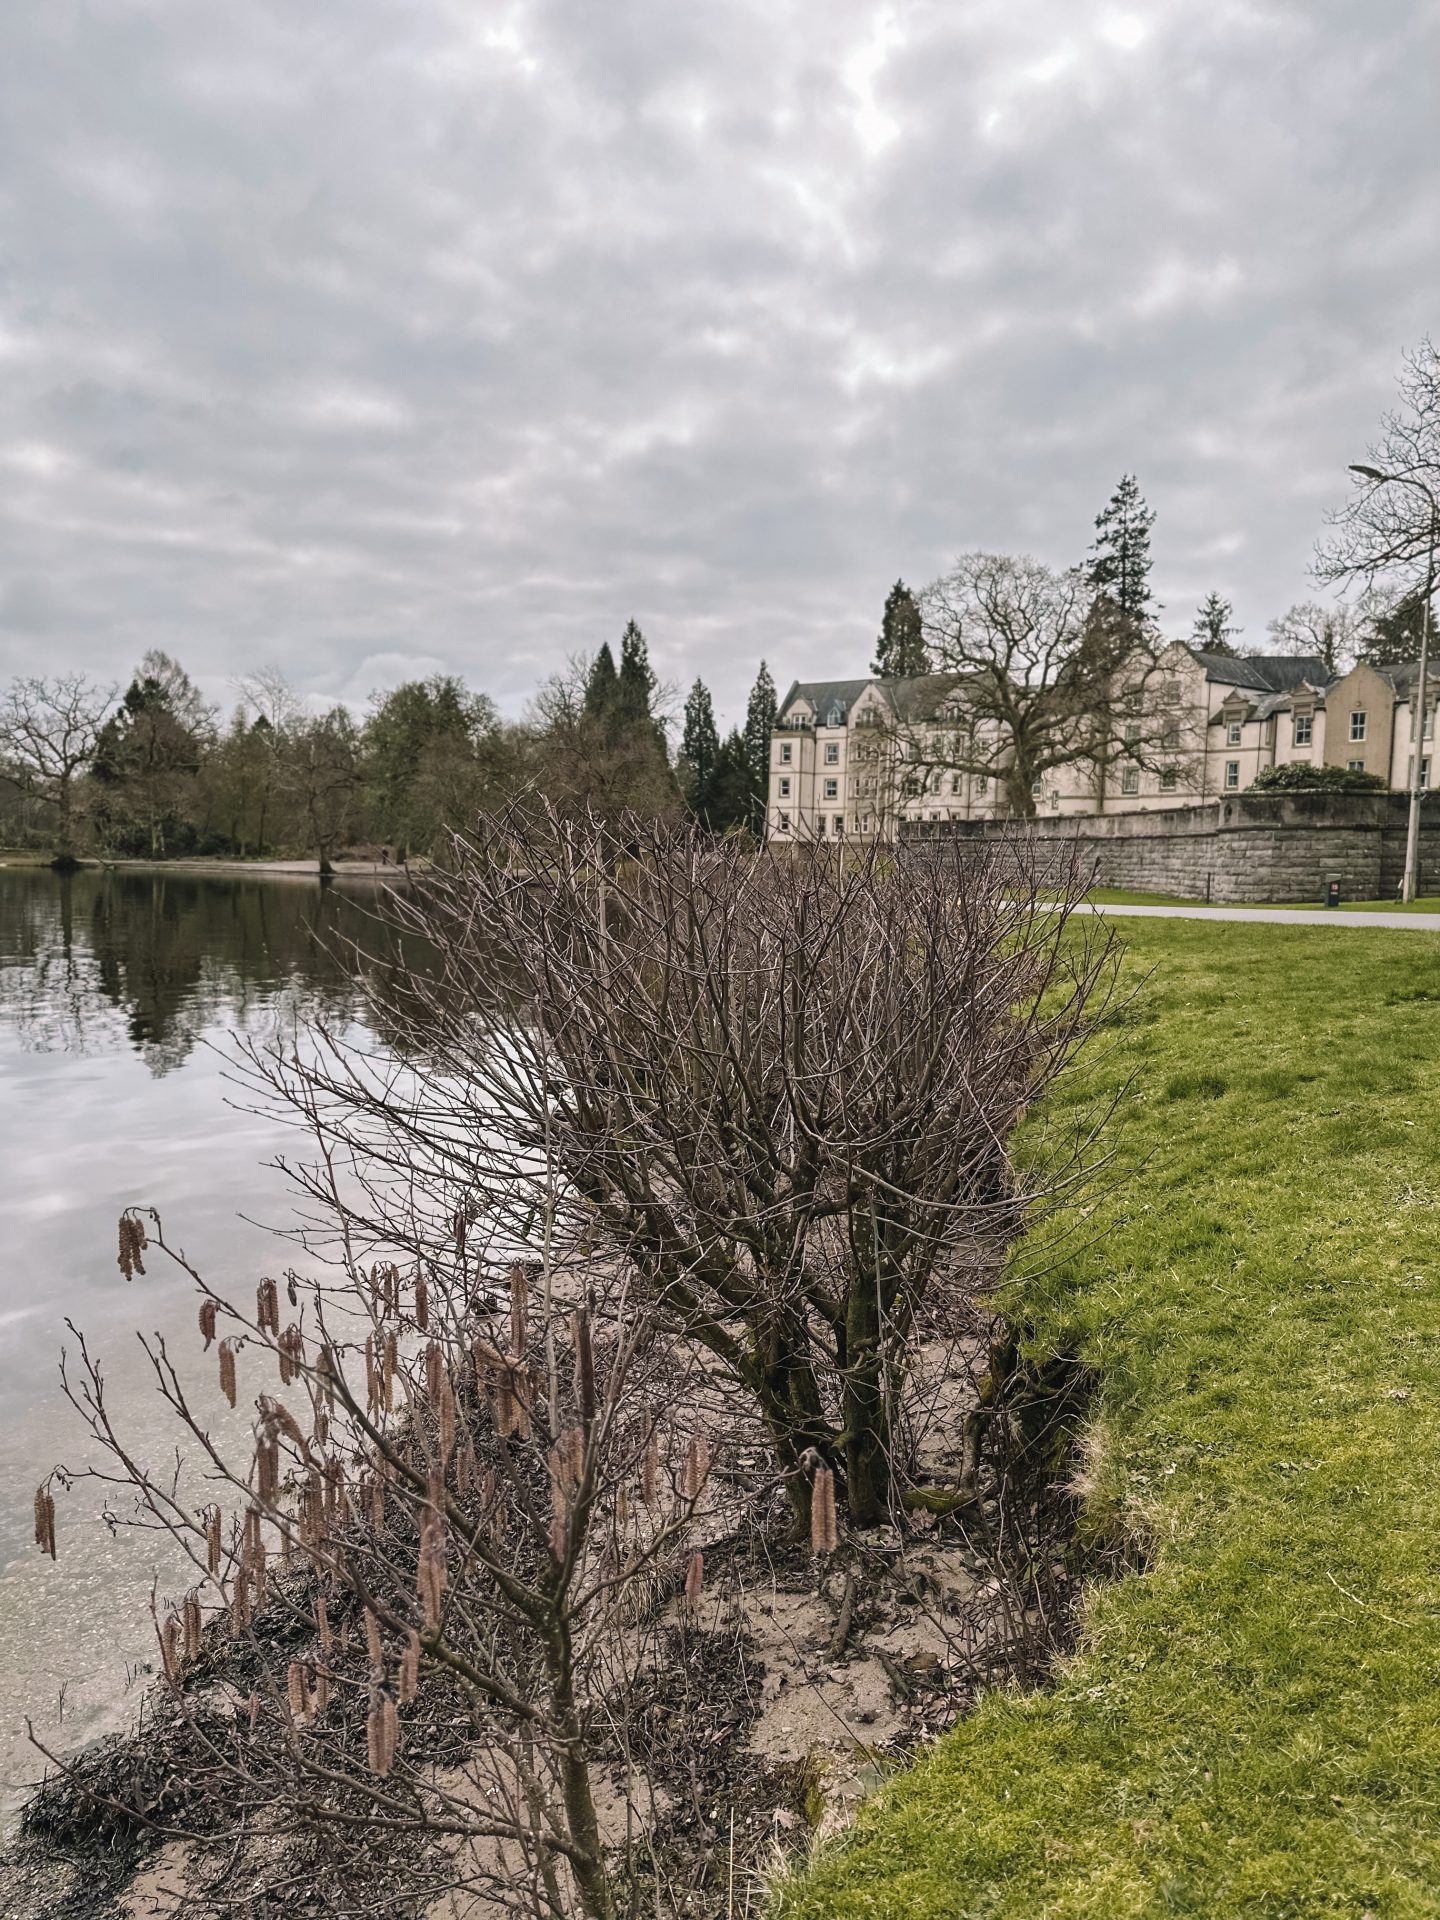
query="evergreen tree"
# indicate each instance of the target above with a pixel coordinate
(699, 747)
(636, 686)
(760, 714)
(1119, 566)
(423, 747)
(900, 651)
(147, 757)
(1394, 636)
(602, 686)
(1212, 630)
(728, 799)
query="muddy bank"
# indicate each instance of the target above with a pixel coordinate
(759, 1718)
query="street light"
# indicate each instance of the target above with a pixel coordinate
(1409, 884)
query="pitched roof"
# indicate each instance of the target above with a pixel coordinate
(917, 698)
(824, 694)
(1264, 672)
(1403, 676)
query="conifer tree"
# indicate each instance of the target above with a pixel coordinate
(900, 651)
(1119, 564)
(602, 687)
(728, 794)
(760, 714)
(1212, 630)
(1394, 634)
(699, 747)
(636, 683)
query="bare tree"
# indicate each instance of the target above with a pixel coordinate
(1385, 533)
(1330, 633)
(426, 1584)
(1033, 674)
(320, 770)
(48, 734)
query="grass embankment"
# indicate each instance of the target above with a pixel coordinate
(1252, 1725)
(1127, 897)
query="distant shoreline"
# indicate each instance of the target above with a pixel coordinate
(225, 869)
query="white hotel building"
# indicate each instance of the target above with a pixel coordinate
(837, 752)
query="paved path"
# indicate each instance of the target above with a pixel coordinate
(1284, 916)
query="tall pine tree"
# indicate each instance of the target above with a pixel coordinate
(900, 651)
(636, 688)
(699, 748)
(1212, 631)
(760, 714)
(1119, 564)
(602, 686)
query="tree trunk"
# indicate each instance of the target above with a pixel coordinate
(587, 1863)
(864, 1414)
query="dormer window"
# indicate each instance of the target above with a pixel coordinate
(836, 717)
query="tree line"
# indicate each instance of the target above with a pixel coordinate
(152, 772)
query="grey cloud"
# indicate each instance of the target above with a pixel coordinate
(374, 338)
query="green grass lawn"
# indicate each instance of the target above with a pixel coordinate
(1250, 1727)
(1123, 897)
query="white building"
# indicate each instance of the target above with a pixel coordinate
(839, 750)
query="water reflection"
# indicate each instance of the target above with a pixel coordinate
(99, 961)
(111, 986)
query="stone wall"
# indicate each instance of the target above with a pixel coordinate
(1248, 848)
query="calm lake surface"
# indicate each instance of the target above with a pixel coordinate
(119, 996)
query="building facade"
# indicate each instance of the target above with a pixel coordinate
(848, 757)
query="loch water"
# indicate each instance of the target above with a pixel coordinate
(122, 997)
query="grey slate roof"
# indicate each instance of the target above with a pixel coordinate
(913, 699)
(1265, 672)
(824, 694)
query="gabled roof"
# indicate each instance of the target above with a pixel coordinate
(918, 698)
(1403, 676)
(1264, 672)
(822, 695)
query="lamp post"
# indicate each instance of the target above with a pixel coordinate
(1409, 883)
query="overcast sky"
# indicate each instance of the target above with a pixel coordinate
(376, 337)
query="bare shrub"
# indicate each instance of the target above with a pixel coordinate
(785, 1092)
(681, 1157)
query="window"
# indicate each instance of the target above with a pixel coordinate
(784, 823)
(832, 753)
(1425, 774)
(839, 825)
(1304, 729)
(1356, 766)
(982, 783)
(1132, 733)
(785, 753)
(1429, 727)
(956, 782)
(1232, 733)
(836, 716)
(1169, 778)
(784, 786)
(1170, 693)
(1170, 739)
(1232, 774)
(1130, 780)
(1037, 785)
(865, 823)
(1357, 726)
(832, 789)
